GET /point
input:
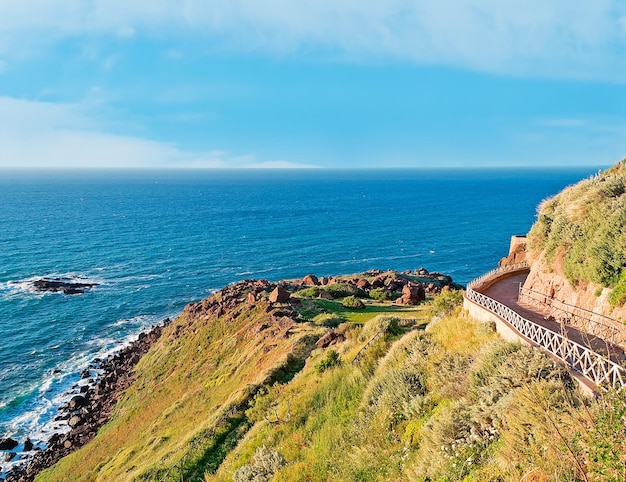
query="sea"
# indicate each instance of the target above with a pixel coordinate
(156, 240)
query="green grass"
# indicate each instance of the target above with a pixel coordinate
(582, 231)
(451, 402)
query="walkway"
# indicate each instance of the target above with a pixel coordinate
(506, 291)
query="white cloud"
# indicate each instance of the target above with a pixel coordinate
(580, 38)
(44, 135)
(279, 165)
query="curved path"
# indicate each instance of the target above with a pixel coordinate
(506, 291)
(593, 361)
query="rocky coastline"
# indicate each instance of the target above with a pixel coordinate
(85, 413)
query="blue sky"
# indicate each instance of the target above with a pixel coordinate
(278, 83)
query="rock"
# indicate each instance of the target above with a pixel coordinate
(310, 280)
(363, 284)
(251, 299)
(412, 295)
(329, 338)
(61, 285)
(325, 295)
(77, 401)
(75, 421)
(8, 443)
(8, 456)
(28, 445)
(295, 302)
(279, 295)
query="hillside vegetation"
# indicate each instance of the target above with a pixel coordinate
(237, 390)
(581, 232)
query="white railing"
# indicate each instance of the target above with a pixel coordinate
(496, 272)
(595, 367)
(590, 322)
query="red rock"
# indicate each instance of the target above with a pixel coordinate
(251, 298)
(412, 295)
(330, 338)
(279, 295)
(363, 284)
(310, 280)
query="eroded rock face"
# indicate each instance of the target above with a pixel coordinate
(589, 296)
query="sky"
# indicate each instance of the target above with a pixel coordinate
(304, 83)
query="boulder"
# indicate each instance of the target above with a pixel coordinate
(8, 456)
(251, 299)
(279, 295)
(8, 443)
(295, 302)
(412, 294)
(363, 284)
(310, 280)
(325, 295)
(329, 338)
(28, 445)
(77, 401)
(75, 421)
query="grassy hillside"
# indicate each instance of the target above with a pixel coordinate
(234, 391)
(582, 232)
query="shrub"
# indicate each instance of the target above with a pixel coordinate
(267, 461)
(353, 303)
(380, 294)
(340, 290)
(312, 292)
(331, 360)
(617, 297)
(446, 303)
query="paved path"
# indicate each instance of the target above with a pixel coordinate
(506, 292)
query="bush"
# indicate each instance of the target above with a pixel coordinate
(353, 303)
(312, 292)
(267, 461)
(379, 294)
(446, 303)
(617, 297)
(331, 360)
(340, 290)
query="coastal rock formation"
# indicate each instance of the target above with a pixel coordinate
(412, 294)
(86, 413)
(8, 443)
(61, 285)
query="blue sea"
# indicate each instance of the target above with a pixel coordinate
(157, 240)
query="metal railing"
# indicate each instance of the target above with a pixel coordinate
(595, 367)
(497, 272)
(590, 322)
